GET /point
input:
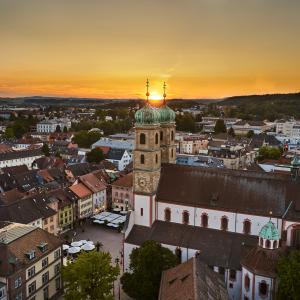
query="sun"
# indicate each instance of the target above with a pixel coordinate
(155, 97)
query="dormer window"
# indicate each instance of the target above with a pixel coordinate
(30, 254)
(43, 247)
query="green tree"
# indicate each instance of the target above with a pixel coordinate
(266, 152)
(91, 276)
(146, 266)
(220, 126)
(288, 269)
(231, 131)
(9, 133)
(86, 139)
(186, 122)
(95, 155)
(46, 149)
(250, 134)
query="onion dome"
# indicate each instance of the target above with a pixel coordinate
(147, 115)
(167, 115)
(269, 232)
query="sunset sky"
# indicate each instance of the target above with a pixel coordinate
(107, 48)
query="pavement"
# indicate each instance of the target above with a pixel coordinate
(112, 242)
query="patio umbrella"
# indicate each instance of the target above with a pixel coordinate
(66, 247)
(90, 242)
(88, 247)
(74, 250)
(76, 244)
(83, 241)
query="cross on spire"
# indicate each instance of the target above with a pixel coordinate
(147, 89)
(165, 95)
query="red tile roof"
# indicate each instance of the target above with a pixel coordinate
(80, 190)
(92, 182)
(124, 181)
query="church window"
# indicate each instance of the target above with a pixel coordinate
(142, 159)
(167, 214)
(172, 153)
(275, 244)
(178, 253)
(247, 282)
(142, 212)
(268, 244)
(161, 135)
(172, 135)
(156, 138)
(296, 237)
(261, 241)
(232, 275)
(247, 227)
(156, 158)
(263, 289)
(224, 223)
(185, 217)
(204, 220)
(142, 139)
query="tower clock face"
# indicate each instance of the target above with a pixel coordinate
(142, 182)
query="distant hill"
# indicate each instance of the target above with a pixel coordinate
(261, 107)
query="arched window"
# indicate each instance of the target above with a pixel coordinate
(142, 159)
(224, 223)
(261, 241)
(204, 220)
(247, 227)
(142, 139)
(247, 282)
(263, 289)
(172, 153)
(167, 214)
(172, 135)
(268, 244)
(185, 217)
(178, 253)
(161, 135)
(275, 244)
(156, 158)
(296, 237)
(156, 138)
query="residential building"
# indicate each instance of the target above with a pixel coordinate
(84, 201)
(114, 144)
(243, 127)
(30, 262)
(98, 188)
(119, 157)
(199, 161)
(122, 193)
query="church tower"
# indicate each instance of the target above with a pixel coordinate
(146, 162)
(167, 132)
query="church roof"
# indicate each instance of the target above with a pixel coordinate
(254, 192)
(147, 115)
(166, 114)
(269, 232)
(217, 247)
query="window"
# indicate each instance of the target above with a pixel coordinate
(19, 296)
(261, 241)
(185, 217)
(45, 277)
(224, 223)
(275, 244)
(247, 282)
(142, 211)
(178, 253)
(263, 289)
(161, 135)
(18, 282)
(142, 139)
(156, 138)
(57, 283)
(247, 227)
(167, 214)
(31, 288)
(268, 244)
(296, 237)
(204, 220)
(172, 153)
(172, 135)
(232, 275)
(31, 272)
(46, 293)
(142, 159)
(156, 158)
(45, 262)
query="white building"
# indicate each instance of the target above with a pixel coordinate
(50, 125)
(119, 157)
(216, 214)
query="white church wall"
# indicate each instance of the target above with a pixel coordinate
(142, 210)
(247, 293)
(127, 251)
(234, 287)
(258, 280)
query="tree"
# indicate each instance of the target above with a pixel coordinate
(46, 149)
(65, 129)
(91, 276)
(186, 122)
(266, 152)
(288, 269)
(95, 155)
(146, 266)
(231, 131)
(86, 139)
(220, 126)
(250, 134)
